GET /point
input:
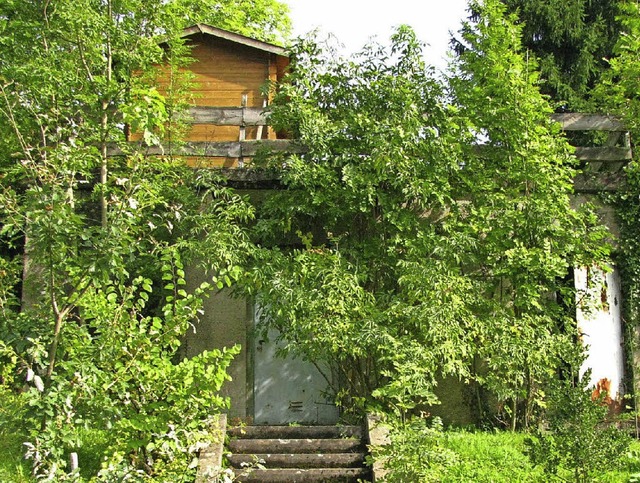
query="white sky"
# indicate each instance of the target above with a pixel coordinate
(353, 22)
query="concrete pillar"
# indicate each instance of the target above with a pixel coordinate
(599, 322)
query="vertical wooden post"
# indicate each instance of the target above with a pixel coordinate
(243, 129)
(73, 461)
(260, 129)
(273, 77)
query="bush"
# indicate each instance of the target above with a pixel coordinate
(577, 444)
(421, 452)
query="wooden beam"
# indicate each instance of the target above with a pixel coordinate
(228, 116)
(588, 122)
(254, 116)
(601, 154)
(251, 147)
(605, 154)
(231, 149)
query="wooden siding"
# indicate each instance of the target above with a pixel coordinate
(224, 73)
(228, 101)
(228, 116)
(212, 133)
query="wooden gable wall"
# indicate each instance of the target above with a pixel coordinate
(226, 120)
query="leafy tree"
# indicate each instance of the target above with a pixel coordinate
(421, 254)
(354, 200)
(519, 199)
(266, 20)
(572, 41)
(95, 335)
(617, 94)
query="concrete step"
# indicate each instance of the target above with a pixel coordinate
(302, 454)
(270, 446)
(296, 460)
(292, 475)
(295, 432)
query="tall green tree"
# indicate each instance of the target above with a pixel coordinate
(355, 202)
(432, 221)
(518, 189)
(95, 333)
(618, 94)
(572, 40)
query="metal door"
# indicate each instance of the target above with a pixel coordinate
(287, 389)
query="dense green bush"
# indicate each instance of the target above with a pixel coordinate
(396, 282)
(422, 452)
(577, 443)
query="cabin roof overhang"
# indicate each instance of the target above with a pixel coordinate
(219, 33)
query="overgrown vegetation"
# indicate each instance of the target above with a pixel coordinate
(617, 94)
(576, 442)
(425, 233)
(423, 452)
(426, 453)
(93, 293)
(572, 41)
(432, 220)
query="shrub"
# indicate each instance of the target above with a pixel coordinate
(577, 444)
(421, 452)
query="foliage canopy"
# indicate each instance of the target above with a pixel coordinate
(90, 334)
(432, 220)
(428, 225)
(572, 40)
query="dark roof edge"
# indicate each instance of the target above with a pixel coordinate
(233, 37)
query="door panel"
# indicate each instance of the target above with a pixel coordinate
(287, 389)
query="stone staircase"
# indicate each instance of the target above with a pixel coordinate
(285, 454)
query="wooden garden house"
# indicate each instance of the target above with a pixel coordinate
(229, 76)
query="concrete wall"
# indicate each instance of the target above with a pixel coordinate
(226, 322)
(456, 403)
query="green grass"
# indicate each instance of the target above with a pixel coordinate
(13, 467)
(630, 466)
(494, 457)
(481, 457)
(459, 456)
(498, 457)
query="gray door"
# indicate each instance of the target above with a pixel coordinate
(288, 390)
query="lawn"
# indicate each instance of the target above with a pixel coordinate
(421, 454)
(453, 455)
(498, 457)
(13, 468)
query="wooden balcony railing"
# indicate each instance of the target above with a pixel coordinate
(601, 170)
